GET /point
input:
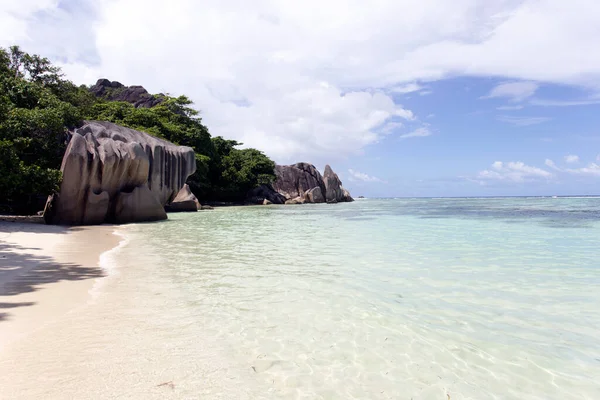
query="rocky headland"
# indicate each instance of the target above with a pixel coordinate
(301, 183)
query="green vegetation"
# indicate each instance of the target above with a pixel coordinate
(38, 107)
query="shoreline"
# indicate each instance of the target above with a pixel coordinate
(47, 271)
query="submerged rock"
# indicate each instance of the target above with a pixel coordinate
(116, 174)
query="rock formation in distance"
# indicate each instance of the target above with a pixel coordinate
(334, 192)
(118, 175)
(116, 91)
(295, 180)
(301, 183)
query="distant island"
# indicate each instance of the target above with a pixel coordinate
(116, 153)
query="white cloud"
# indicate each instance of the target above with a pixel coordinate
(513, 91)
(307, 80)
(14, 18)
(509, 108)
(47, 26)
(355, 175)
(592, 169)
(419, 132)
(563, 103)
(514, 171)
(407, 88)
(523, 121)
(571, 159)
(391, 127)
(551, 164)
(412, 88)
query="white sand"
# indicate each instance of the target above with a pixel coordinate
(46, 272)
(66, 332)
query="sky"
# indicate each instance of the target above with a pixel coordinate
(400, 97)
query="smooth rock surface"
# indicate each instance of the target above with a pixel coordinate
(116, 174)
(347, 197)
(185, 201)
(295, 180)
(314, 195)
(139, 205)
(334, 191)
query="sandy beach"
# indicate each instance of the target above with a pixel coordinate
(73, 329)
(46, 272)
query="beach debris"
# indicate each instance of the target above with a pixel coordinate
(169, 384)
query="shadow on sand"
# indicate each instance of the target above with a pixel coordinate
(23, 272)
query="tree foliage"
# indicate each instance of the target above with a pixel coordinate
(33, 125)
(38, 107)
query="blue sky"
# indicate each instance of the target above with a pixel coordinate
(402, 98)
(468, 131)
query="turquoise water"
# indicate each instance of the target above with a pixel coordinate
(376, 299)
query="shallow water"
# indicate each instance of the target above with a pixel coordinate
(400, 299)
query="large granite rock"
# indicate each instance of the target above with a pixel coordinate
(185, 201)
(116, 91)
(298, 184)
(295, 180)
(314, 195)
(116, 174)
(334, 192)
(347, 197)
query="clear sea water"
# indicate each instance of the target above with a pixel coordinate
(376, 299)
